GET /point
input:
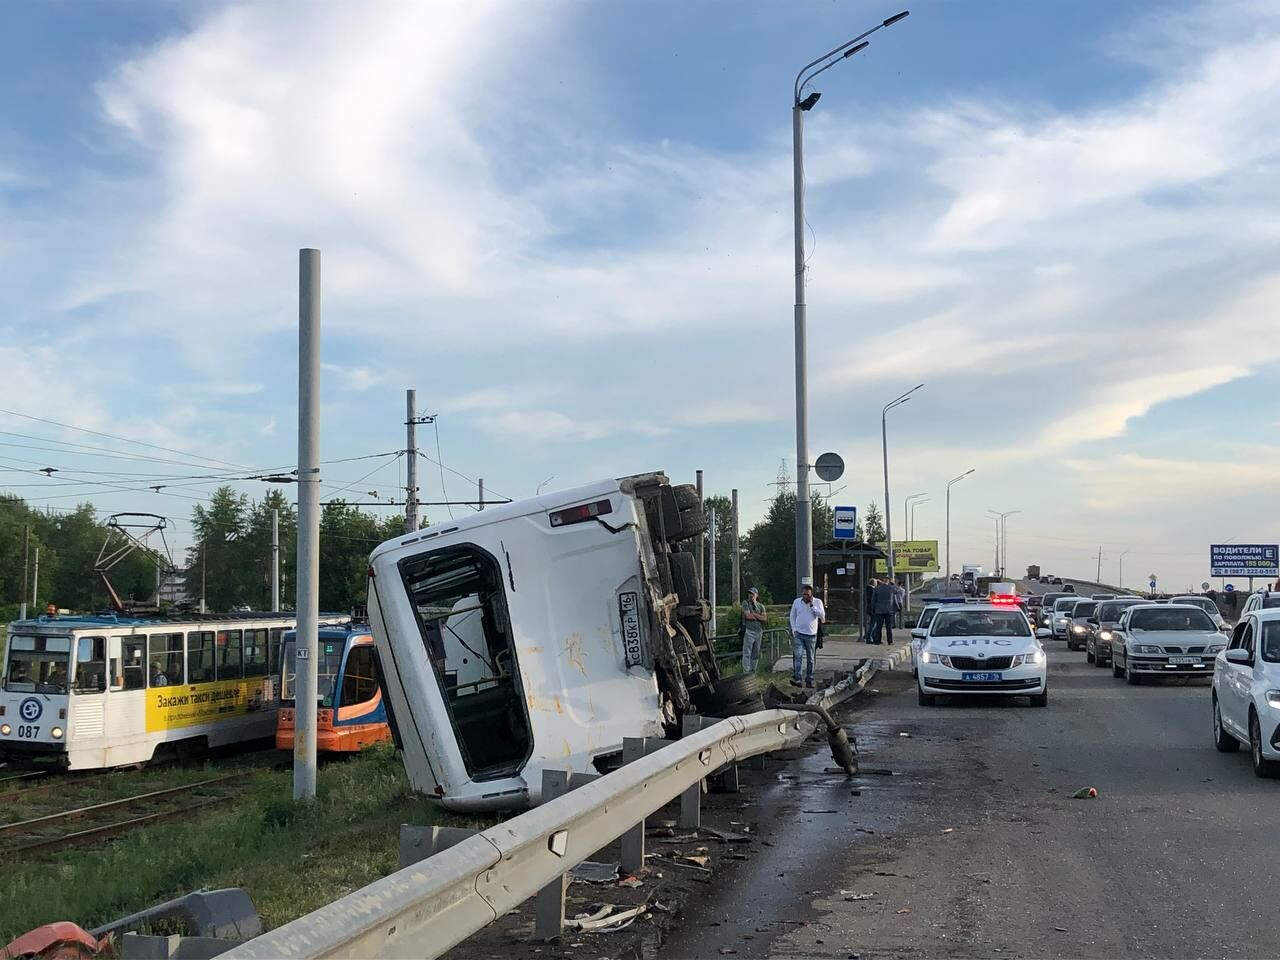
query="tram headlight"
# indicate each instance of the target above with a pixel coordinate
(57, 733)
(5, 729)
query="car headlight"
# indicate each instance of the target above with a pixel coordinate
(1215, 648)
(1273, 698)
(1147, 648)
(1076, 628)
(927, 657)
(1105, 635)
(5, 729)
(56, 733)
(1035, 658)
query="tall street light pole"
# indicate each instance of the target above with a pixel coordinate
(1121, 574)
(950, 484)
(911, 526)
(884, 452)
(799, 107)
(910, 501)
(1002, 539)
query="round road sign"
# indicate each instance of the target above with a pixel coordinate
(1205, 585)
(1230, 588)
(829, 467)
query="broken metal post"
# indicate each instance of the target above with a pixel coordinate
(632, 858)
(691, 799)
(842, 751)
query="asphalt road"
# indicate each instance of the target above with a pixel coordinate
(976, 848)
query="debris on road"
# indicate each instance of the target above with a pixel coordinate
(852, 896)
(1085, 793)
(589, 871)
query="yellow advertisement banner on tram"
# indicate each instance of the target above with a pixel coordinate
(171, 708)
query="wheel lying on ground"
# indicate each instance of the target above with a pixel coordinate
(734, 696)
(1224, 741)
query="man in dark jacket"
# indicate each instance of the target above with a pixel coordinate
(884, 603)
(868, 598)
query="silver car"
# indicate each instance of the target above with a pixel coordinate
(1062, 608)
(1165, 640)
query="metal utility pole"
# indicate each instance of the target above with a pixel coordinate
(912, 534)
(308, 606)
(35, 581)
(702, 569)
(799, 107)
(735, 558)
(950, 484)
(711, 590)
(480, 485)
(1002, 539)
(884, 448)
(1120, 584)
(26, 568)
(275, 560)
(411, 471)
(908, 528)
(1098, 579)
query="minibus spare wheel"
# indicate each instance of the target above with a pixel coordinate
(731, 696)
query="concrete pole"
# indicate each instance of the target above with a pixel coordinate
(480, 483)
(308, 607)
(275, 560)
(26, 569)
(735, 557)
(702, 559)
(804, 521)
(711, 591)
(888, 513)
(411, 472)
(35, 583)
(204, 569)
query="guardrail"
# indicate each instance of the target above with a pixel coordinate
(429, 907)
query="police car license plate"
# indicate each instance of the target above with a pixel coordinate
(982, 677)
(1193, 661)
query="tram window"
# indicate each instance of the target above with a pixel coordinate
(200, 651)
(359, 677)
(91, 665)
(255, 653)
(273, 650)
(457, 593)
(230, 655)
(165, 660)
(135, 672)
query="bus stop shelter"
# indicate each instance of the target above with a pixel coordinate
(841, 571)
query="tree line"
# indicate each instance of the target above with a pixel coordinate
(228, 563)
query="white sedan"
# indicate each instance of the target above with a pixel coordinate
(1246, 691)
(982, 648)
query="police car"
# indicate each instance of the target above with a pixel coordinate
(982, 648)
(921, 629)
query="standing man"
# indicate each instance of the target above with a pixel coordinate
(868, 595)
(900, 592)
(754, 618)
(883, 603)
(807, 612)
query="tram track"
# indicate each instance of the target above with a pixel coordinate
(47, 832)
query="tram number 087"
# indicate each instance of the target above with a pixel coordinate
(28, 731)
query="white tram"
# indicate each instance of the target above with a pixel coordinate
(105, 691)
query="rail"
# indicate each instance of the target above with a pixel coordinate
(425, 909)
(775, 643)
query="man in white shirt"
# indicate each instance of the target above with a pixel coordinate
(807, 612)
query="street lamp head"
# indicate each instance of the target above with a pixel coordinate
(852, 50)
(896, 17)
(808, 102)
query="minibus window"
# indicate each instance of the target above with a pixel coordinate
(457, 594)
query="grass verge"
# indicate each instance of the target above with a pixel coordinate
(291, 857)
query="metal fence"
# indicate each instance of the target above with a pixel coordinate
(775, 643)
(425, 909)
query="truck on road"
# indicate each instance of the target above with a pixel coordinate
(969, 575)
(538, 634)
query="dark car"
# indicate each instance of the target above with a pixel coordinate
(1102, 624)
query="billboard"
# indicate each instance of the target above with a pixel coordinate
(1244, 560)
(911, 556)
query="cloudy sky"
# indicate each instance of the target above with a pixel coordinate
(568, 226)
